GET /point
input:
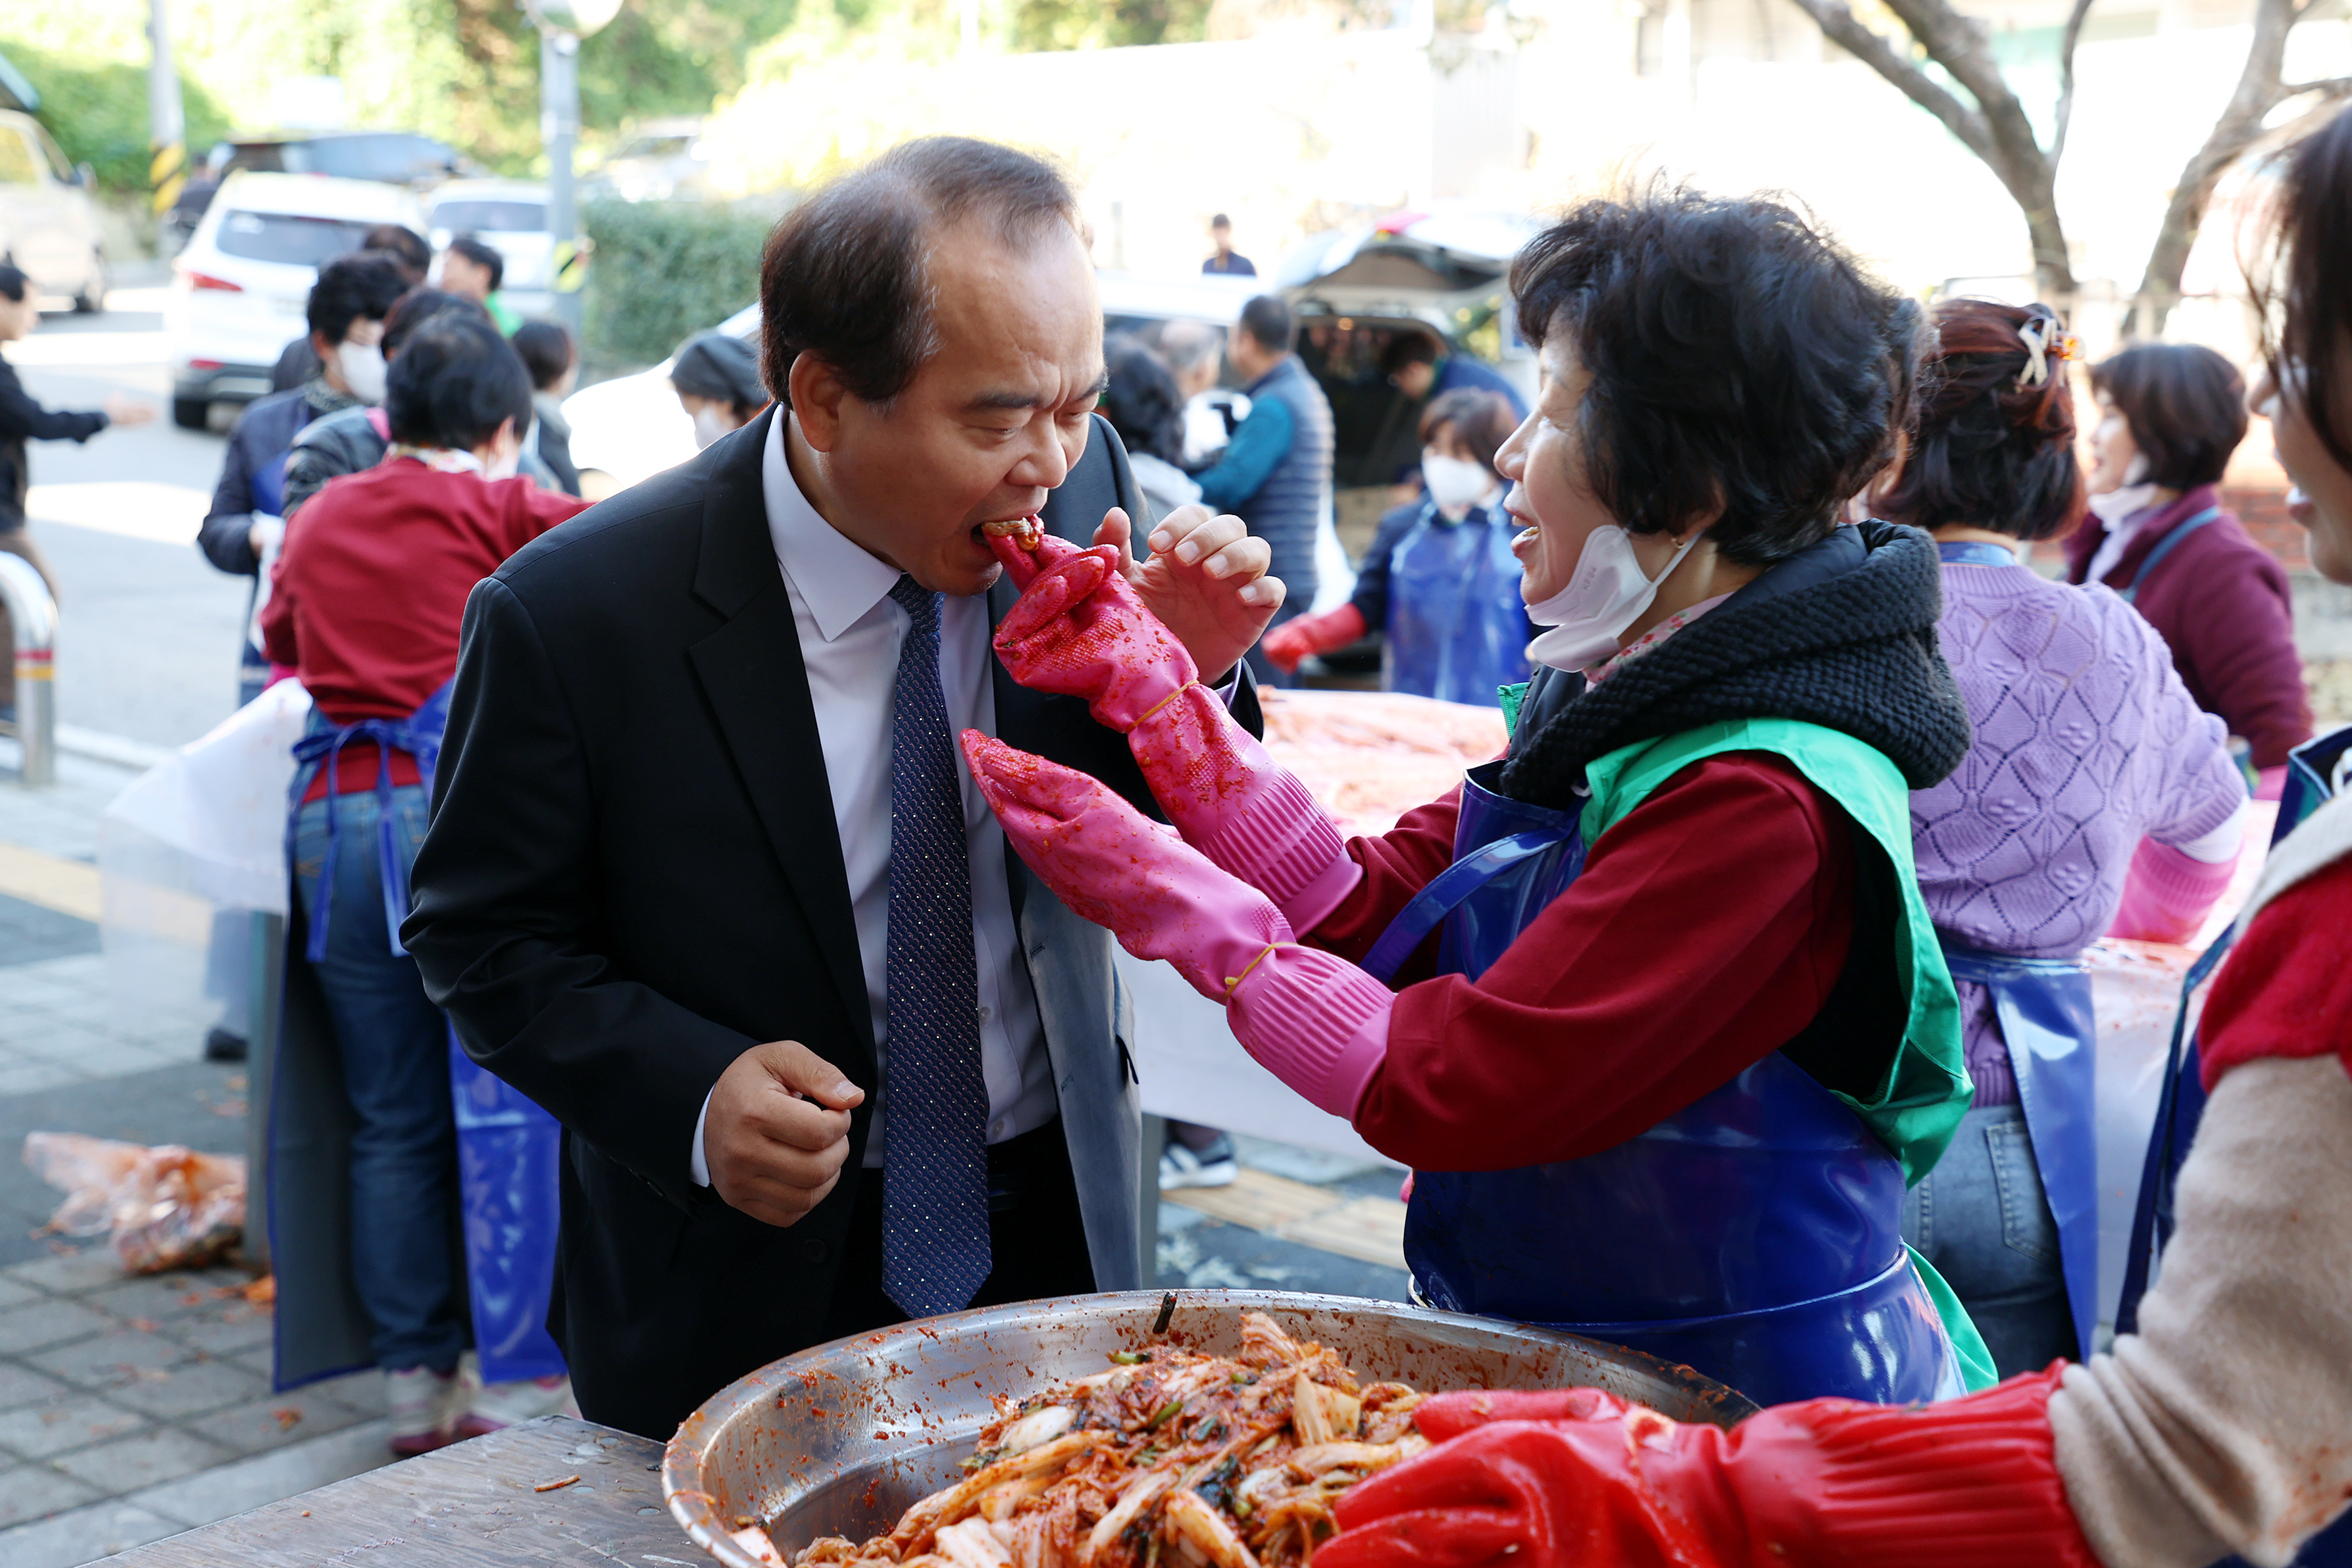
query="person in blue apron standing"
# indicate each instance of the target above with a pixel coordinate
(2095, 785)
(385, 1141)
(1439, 582)
(1652, 1006)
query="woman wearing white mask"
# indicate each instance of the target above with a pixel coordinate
(1439, 578)
(717, 383)
(1652, 1006)
(2169, 416)
(366, 605)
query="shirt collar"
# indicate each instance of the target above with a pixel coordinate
(837, 579)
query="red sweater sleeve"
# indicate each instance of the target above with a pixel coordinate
(1708, 928)
(2285, 989)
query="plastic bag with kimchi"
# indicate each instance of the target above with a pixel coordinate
(166, 1207)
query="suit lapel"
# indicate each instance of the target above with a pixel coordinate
(751, 671)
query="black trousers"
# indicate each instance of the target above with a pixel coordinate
(1036, 1237)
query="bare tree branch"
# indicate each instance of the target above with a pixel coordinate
(2333, 87)
(2066, 114)
(1867, 45)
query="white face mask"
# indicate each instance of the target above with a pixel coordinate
(1606, 594)
(2133, 495)
(1454, 483)
(709, 424)
(362, 368)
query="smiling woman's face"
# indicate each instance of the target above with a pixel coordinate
(1544, 461)
(2325, 506)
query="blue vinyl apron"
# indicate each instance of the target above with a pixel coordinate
(2046, 1018)
(1753, 1235)
(2317, 772)
(1457, 628)
(509, 1150)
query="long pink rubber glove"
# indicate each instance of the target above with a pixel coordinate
(1313, 1020)
(1824, 1483)
(2168, 894)
(1080, 630)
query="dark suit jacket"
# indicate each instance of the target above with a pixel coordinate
(632, 876)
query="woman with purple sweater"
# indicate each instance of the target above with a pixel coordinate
(2093, 786)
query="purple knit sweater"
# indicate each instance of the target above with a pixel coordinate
(2085, 743)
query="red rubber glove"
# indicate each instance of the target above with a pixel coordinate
(1313, 1019)
(1827, 1483)
(1080, 630)
(1294, 639)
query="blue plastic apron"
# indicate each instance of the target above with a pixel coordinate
(1457, 628)
(1753, 1235)
(509, 1150)
(2316, 774)
(2044, 1006)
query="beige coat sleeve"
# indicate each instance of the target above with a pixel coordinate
(2225, 1424)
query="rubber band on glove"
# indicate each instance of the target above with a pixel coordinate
(1826, 1483)
(1313, 1020)
(1080, 630)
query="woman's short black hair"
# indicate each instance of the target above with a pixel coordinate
(406, 245)
(362, 286)
(1481, 419)
(12, 283)
(1739, 358)
(546, 351)
(2185, 406)
(714, 365)
(1995, 443)
(1141, 401)
(2305, 288)
(412, 310)
(454, 383)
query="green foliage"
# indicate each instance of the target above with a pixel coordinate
(672, 57)
(1040, 24)
(664, 271)
(98, 111)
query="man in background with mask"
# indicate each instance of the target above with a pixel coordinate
(717, 383)
(242, 529)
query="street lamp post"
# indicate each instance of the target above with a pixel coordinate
(562, 25)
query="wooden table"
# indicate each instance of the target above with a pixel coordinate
(472, 1504)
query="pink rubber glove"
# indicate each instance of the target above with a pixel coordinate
(1313, 1020)
(1304, 635)
(2168, 894)
(1825, 1483)
(1080, 630)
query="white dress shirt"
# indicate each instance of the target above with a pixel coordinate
(850, 633)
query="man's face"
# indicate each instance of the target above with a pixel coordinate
(994, 419)
(1415, 380)
(1222, 236)
(460, 276)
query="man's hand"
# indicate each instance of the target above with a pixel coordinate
(1206, 582)
(127, 411)
(777, 1130)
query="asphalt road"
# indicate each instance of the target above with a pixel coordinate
(148, 632)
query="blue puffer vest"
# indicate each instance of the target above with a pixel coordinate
(1284, 510)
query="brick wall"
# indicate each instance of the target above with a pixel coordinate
(2260, 507)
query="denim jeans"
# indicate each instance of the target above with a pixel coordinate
(393, 1045)
(1982, 1220)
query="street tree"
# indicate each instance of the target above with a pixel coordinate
(1988, 117)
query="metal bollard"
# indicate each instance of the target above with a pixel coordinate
(33, 617)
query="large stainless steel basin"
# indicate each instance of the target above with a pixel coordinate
(838, 1440)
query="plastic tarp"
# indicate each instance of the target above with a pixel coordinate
(187, 855)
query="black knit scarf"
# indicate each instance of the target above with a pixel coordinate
(1845, 638)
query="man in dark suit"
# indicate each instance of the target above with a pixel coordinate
(706, 878)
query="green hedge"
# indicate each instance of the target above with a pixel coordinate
(663, 271)
(98, 111)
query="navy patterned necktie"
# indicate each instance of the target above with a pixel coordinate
(935, 1249)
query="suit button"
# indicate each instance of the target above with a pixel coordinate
(814, 1249)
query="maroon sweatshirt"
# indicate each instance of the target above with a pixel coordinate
(2220, 601)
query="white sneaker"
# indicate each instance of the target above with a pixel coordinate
(423, 1406)
(1212, 1166)
(501, 1404)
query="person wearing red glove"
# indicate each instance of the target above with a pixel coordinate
(1651, 1007)
(2220, 1427)
(1439, 580)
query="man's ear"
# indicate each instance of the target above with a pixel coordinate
(814, 394)
(321, 347)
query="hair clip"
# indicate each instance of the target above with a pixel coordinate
(2044, 339)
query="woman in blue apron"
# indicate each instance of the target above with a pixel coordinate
(1439, 582)
(2093, 783)
(387, 1145)
(1669, 1032)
